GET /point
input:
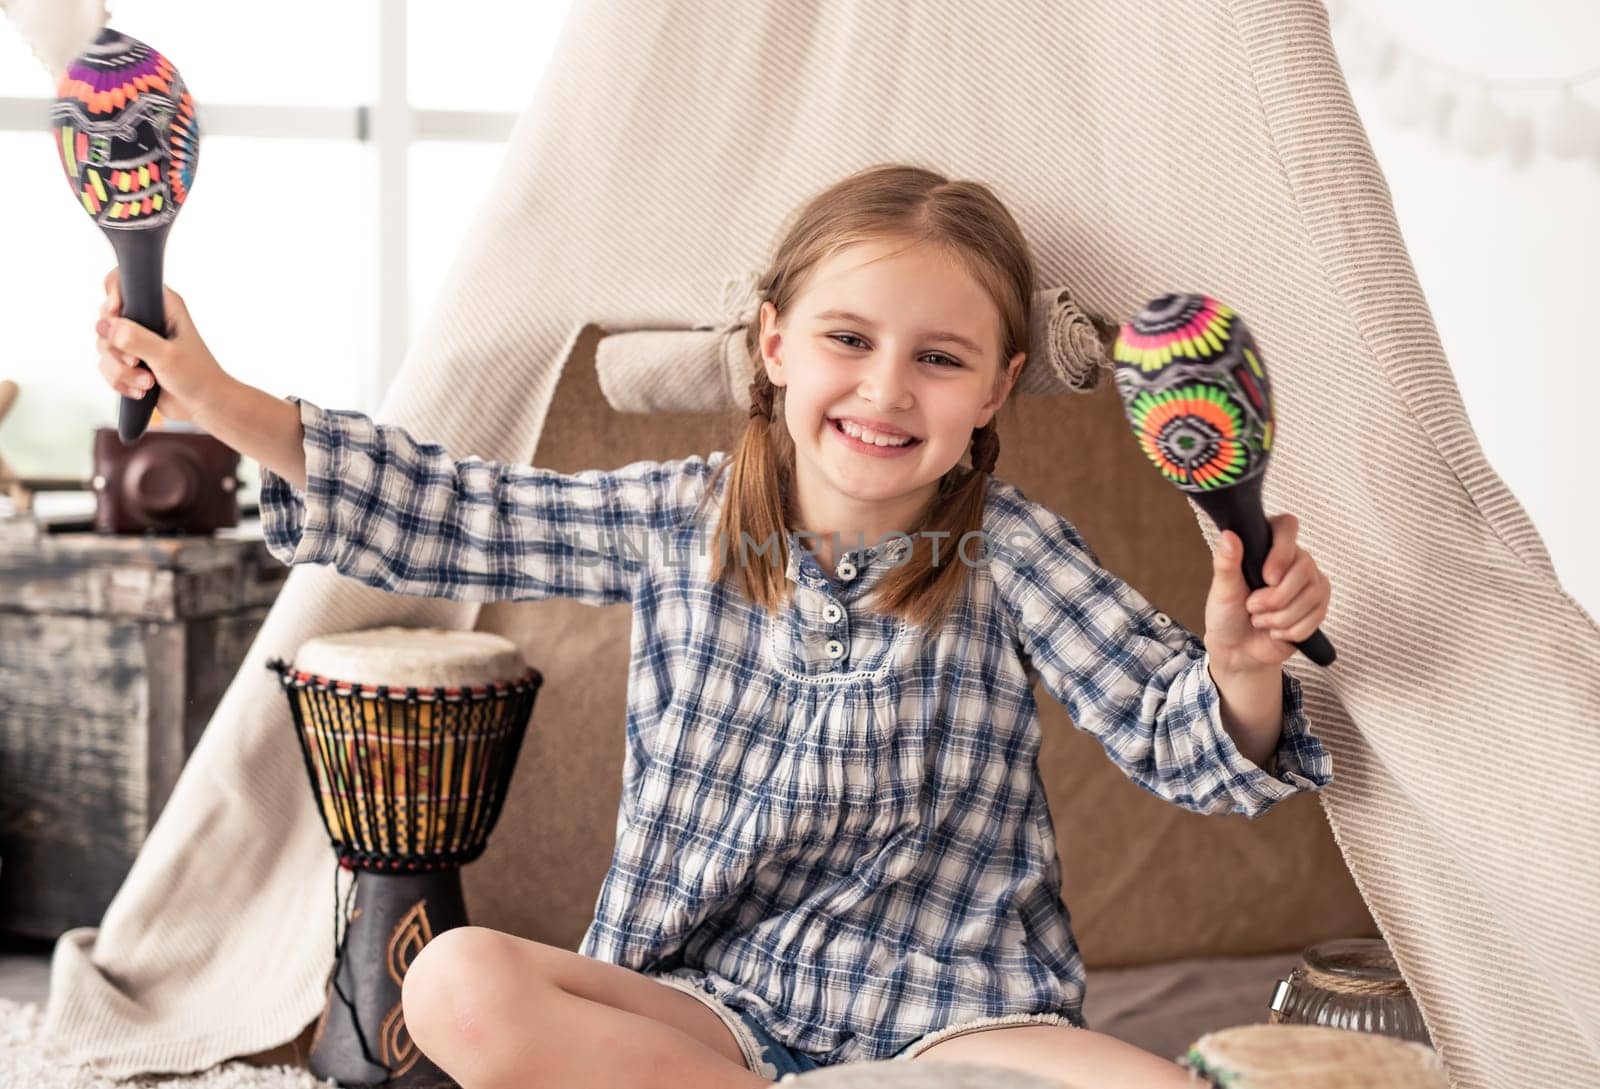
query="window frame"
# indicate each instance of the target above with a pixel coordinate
(389, 124)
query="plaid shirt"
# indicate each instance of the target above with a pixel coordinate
(842, 824)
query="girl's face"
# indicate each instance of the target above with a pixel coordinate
(886, 335)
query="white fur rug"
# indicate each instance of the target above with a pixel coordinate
(24, 1063)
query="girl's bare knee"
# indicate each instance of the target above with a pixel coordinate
(437, 991)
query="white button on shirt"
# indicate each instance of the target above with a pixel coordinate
(846, 570)
(835, 649)
(1163, 620)
(832, 613)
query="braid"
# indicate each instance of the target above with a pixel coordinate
(985, 448)
(761, 394)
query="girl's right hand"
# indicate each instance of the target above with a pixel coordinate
(181, 362)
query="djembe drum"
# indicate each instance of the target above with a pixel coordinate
(410, 737)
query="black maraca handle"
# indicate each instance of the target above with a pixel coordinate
(1239, 508)
(140, 258)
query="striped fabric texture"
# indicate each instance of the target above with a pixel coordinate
(1144, 148)
(836, 816)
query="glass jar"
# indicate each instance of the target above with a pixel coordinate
(1352, 983)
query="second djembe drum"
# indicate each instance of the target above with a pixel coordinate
(410, 738)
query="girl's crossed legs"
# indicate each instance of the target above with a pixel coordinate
(494, 1010)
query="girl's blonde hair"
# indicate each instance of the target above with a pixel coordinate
(893, 201)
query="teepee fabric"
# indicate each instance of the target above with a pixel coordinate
(1192, 145)
(56, 30)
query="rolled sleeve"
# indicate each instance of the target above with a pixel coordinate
(1139, 682)
(300, 527)
(1300, 762)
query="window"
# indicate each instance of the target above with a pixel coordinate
(280, 251)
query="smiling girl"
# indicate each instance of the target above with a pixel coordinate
(833, 843)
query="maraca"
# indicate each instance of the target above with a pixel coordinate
(1196, 393)
(125, 129)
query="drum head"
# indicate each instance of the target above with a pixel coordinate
(412, 657)
(1314, 1057)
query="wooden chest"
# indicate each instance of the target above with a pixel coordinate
(114, 651)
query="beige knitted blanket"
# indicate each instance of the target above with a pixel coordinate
(1186, 145)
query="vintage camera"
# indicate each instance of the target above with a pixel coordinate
(172, 480)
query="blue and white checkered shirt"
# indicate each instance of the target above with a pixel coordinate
(842, 824)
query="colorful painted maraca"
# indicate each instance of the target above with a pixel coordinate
(1196, 392)
(125, 129)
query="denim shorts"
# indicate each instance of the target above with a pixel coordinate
(763, 1054)
(771, 1058)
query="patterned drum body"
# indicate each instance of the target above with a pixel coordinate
(409, 777)
(409, 782)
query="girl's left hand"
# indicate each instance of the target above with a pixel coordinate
(1247, 630)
